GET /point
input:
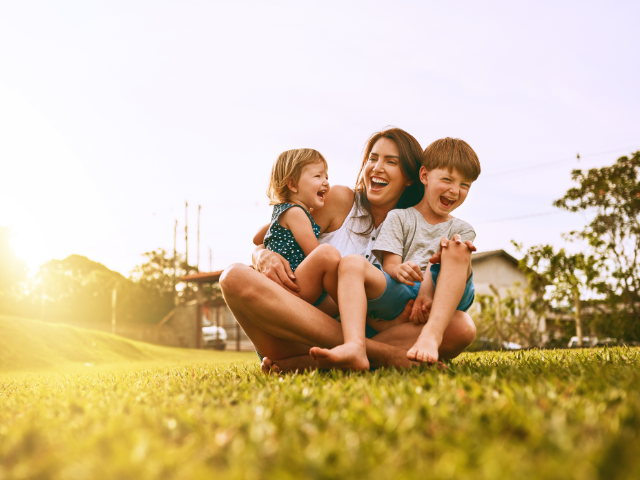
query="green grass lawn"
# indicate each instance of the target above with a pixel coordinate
(537, 414)
(31, 345)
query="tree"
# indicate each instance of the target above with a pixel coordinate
(76, 289)
(569, 278)
(612, 194)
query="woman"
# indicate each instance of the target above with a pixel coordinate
(282, 326)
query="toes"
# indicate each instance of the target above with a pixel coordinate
(411, 354)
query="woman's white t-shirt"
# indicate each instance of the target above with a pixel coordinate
(347, 242)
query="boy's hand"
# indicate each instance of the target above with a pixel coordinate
(421, 309)
(444, 243)
(408, 273)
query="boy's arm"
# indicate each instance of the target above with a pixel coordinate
(407, 272)
(297, 221)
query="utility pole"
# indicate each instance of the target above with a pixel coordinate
(198, 262)
(186, 233)
(175, 266)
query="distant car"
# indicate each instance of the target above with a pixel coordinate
(484, 343)
(213, 336)
(587, 342)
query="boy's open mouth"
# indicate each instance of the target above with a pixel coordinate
(446, 202)
(378, 183)
(321, 194)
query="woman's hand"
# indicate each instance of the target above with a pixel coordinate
(276, 268)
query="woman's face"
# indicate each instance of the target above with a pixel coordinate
(384, 178)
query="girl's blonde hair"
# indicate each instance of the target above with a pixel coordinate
(288, 166)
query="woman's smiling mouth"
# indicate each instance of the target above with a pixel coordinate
(378, 183)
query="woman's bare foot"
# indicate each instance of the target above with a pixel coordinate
(349, 356)
(425, 349)
(287, 365)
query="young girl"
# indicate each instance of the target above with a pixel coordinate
(299, 182)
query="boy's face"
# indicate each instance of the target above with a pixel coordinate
(444, 190)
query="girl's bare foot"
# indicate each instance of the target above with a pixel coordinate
(425, 350)
(286, 365)
(349, 356)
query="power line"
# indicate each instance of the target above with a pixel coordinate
(520, 217)
(556, 162)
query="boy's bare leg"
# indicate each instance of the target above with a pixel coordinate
(319, 270)
(455, 270)
(359, 280)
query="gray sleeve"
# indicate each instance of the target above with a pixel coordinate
(390, 238)
(465, 231)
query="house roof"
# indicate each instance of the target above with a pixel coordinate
(480, 256)
(203, 277)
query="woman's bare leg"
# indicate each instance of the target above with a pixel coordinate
(282, 325)
(458, 335)
(359, 280)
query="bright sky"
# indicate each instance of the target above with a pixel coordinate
(112, 114)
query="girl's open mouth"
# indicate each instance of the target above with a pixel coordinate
(321, 194)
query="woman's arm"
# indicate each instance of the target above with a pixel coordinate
(259, 237)
(275, 267)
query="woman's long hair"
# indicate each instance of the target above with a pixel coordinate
(410, 162)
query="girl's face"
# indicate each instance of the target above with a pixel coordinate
(311, 190)
(384, 178)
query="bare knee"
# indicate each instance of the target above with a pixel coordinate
(467, 330)
(234, 279)
(352, 263)
(328, 255)
(459, 335)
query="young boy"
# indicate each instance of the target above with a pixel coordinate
(408, 240)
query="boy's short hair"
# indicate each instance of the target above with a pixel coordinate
(452, 153)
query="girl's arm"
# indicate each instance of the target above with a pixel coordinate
(296, 220)
(259, 237)
(407, 272)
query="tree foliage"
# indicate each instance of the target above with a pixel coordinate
(560, 281)
(612, 195)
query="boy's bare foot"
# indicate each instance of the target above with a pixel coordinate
(425, 350)
(344, 357)
(286, 365)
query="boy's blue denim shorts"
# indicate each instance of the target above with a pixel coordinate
(391, 303)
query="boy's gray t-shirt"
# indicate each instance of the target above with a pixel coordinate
(405, 232)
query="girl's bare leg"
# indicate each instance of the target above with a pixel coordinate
(282, 325)
(319, 270)
(359, 280)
